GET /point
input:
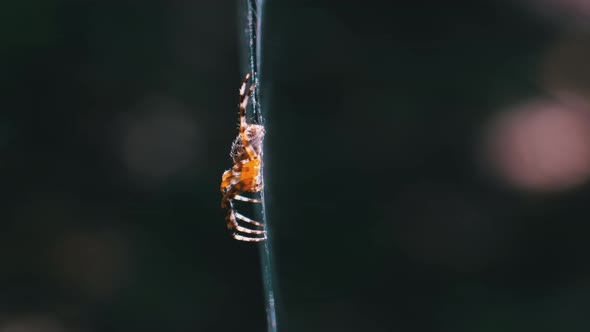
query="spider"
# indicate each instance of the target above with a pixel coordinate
(244, 176)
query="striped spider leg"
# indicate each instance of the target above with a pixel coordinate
(244, 176)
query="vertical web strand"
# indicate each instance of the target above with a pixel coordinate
(254, 22)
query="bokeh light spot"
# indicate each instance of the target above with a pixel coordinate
(33, 323)
(94, 263)
(161, 141)
(567, 12)
(541, 146)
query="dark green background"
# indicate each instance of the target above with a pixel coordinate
(116, 123)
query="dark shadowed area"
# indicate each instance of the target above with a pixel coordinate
(427, 166)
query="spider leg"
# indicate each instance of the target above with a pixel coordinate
(247, 239)
(232, 224)
(226, 201)
(247, 199)
(243, 87)
(248, 220)
(243, 123)
(231, 191)
(226, 180)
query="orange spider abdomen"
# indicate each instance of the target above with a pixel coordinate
(246, 174)
(250, 170)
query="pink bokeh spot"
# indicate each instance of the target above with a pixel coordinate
(566, 11)
(541, 146)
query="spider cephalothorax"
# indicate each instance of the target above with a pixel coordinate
(255, 134)
(244, 176)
